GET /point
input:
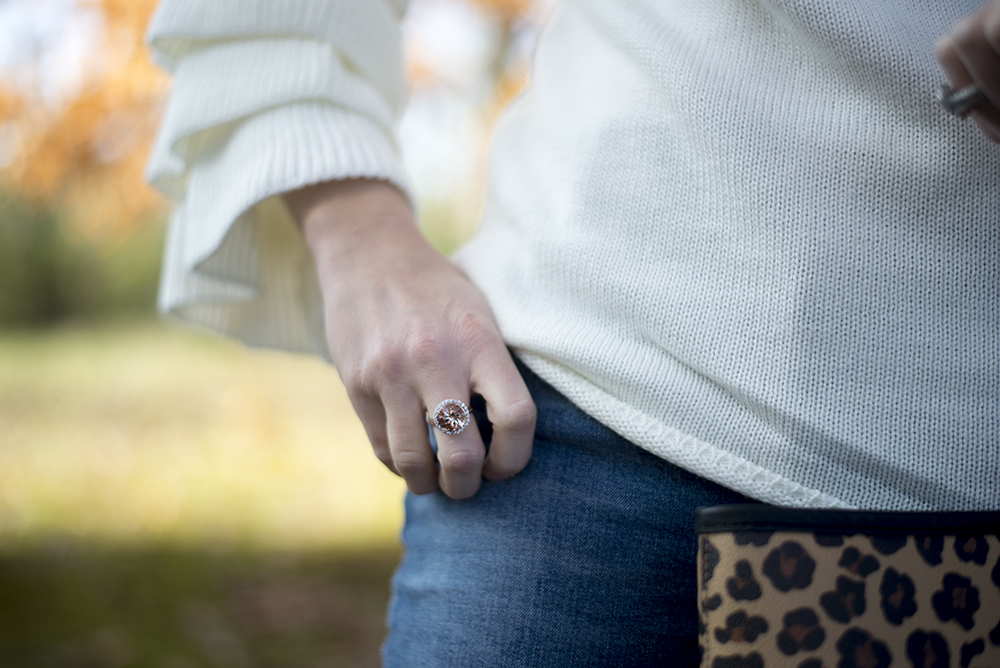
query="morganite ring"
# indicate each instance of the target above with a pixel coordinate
(451, 417)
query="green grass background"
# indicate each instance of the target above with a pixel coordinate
(172, 499)
(169, 498)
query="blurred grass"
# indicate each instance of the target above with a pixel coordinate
(69, 606)
(169, 498)
(138, 432)
(50, 272)
(172, 499)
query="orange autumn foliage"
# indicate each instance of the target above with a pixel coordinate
(507, 11)
(86, 156)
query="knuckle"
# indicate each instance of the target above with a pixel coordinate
(409, 462)
(461, 462)
(477, 332)
(471, 322)
(366, 376)
(425, 347)
(385, 362)
(360, 375)
(358, 380)
(518, 416)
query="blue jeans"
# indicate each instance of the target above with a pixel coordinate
(585, 558)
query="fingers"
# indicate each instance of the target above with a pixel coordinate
(460, 455)
(372, 414)
(511, 411)
(398, 436)
(409, 446)
(970, 54)
(397, 428)
(404, 328)
(396, 425)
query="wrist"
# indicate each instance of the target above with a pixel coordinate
(344, 218)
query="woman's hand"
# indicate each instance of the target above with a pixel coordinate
(970, 54)
(408, 330)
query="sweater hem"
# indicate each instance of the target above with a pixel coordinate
(683, 450)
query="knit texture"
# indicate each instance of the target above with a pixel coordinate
(267, 97)
(740, 233)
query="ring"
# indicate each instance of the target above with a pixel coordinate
(962, 101)
(451, 417)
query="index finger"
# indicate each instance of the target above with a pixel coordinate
(510, 410)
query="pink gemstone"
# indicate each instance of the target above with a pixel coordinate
(452, 417)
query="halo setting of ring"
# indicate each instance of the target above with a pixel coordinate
(451, 416)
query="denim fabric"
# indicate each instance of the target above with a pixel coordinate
(586, 558)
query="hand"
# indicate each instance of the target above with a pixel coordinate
(406, 330)
(969, 54)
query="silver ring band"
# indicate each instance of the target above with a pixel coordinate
(962, 101)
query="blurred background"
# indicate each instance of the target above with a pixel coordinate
(168, 498)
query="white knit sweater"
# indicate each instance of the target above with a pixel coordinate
(740, 233)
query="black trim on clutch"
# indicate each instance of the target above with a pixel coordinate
(762, 517)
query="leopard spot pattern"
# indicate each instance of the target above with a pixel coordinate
(798, 600)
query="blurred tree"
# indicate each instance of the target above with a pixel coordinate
(481, 79)
(71, 164)
(84, 155)
(508, 75)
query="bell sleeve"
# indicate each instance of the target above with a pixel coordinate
(267, 97)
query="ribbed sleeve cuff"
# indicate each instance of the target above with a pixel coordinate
(221, 85)
(235, 259)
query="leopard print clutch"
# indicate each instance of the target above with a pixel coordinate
(807, 588)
